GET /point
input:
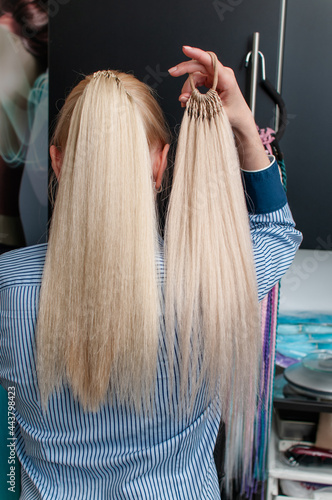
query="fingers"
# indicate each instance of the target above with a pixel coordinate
(187, 67)
(199, 77)
(200, 55)
(199, 81)
(201, 61)
(200, 66)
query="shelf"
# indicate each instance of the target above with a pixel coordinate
(309, 474)
(303, 405)
(279, 470)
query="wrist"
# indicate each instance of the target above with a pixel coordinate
(252, 154)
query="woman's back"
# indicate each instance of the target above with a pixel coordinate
(115, 452)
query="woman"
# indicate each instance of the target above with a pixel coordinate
(89, 424)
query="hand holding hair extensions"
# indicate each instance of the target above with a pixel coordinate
(211, 292)
(250, 149)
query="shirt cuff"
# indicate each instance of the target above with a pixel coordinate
(263, 189)
(270, 157)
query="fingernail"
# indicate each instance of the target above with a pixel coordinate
(183, 99)
(187, 47)
(172, 70)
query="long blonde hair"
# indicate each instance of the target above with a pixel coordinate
(99, 304)
(211, 290)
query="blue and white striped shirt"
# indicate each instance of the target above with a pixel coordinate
(115, 453)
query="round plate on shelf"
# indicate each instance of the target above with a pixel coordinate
(313, 375)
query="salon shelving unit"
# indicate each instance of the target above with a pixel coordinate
(313, 294)
(278, 470)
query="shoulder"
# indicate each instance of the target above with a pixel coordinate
(23, 266)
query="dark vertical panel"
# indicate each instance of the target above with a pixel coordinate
(306, 86)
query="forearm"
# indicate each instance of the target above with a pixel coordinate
(252, 154)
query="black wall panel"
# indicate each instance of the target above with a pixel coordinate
(307, 91)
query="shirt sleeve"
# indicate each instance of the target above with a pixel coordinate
(274, 237)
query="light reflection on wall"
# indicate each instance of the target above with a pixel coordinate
(23, 122)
